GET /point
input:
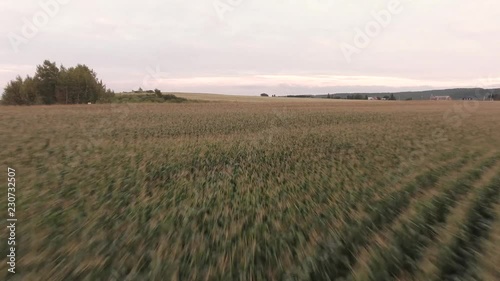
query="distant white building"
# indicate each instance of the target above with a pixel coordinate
(441, 98)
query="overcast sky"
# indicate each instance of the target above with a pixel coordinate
(254, 46)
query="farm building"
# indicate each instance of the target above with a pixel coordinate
(441, 98)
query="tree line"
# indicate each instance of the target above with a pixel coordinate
(360, 97)
(57, 85)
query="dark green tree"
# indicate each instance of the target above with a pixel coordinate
(80, 85)
(12, 92)
(158, 93)
(46, 77)
(53, 85)
(21, 92)
(29, 91)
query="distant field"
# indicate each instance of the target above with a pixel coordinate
(230, 98)
(251, 188)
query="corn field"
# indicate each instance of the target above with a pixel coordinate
(277, 190)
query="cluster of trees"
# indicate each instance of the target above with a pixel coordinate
(300, 96)
(54, 85)
(391, 97)
(494, 96)
(359, 97)
(157, 92)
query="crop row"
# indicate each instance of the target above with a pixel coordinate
(336, 258)
(416, 232)
(456, 259)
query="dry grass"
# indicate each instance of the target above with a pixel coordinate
(240, 188)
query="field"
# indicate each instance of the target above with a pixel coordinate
(254, 189)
